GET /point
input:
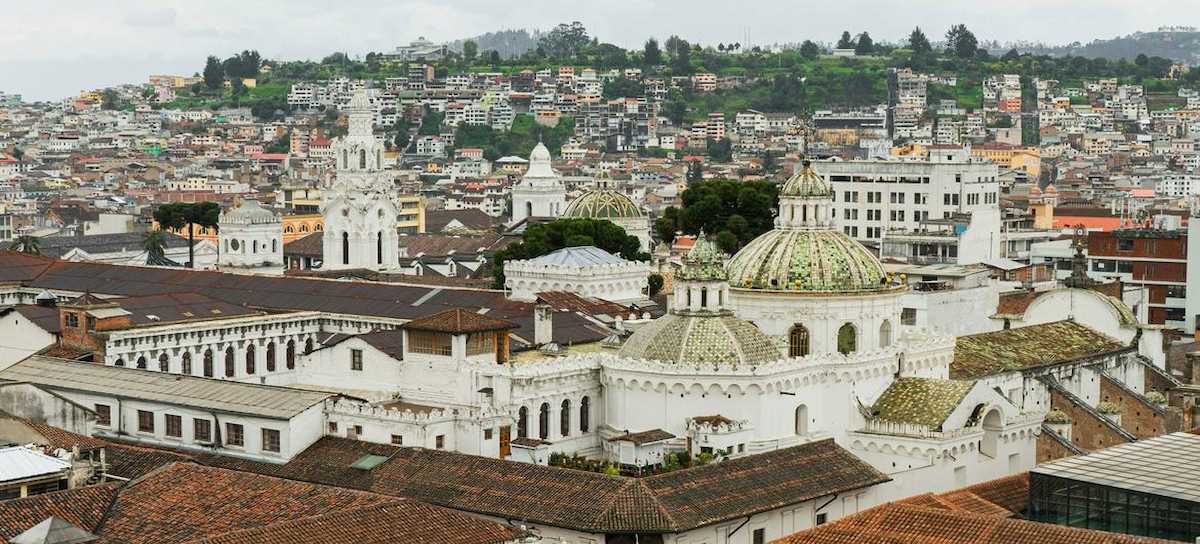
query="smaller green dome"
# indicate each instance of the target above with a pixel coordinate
(704, 262)
(701, 341)
(602, 204)
(806, 183)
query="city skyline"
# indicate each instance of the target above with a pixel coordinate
(105, 45)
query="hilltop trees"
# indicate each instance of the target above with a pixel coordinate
(542, 238)
(744, 210)
(469, 50)
(918, 43)
(809, 50)
(214, 73)
(845, 42)
(651, 54)
(865, 45)
(961, 43)
(565, 41)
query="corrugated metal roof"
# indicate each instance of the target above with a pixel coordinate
(19, 463)
(191, 391)
(1163, 465)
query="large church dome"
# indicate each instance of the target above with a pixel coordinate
(805, 252)
(699, 330)
(603, 204)
(694, 340)
(803, 260)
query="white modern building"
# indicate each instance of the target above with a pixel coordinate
(874, 196)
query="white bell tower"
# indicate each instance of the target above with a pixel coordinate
(540, 192)
(360, 204)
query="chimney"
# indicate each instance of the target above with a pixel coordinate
(543, 324)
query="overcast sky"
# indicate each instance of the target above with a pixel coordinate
(54, 48)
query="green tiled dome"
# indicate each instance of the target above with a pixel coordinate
(806, 183)
(602, 204)
(701, 341)
(806, 260)
(704, 262)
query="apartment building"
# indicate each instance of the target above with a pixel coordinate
(874, 196)
(1156, 259)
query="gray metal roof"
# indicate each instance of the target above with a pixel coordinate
(195, 392)
(578, 256)
(1164, 466)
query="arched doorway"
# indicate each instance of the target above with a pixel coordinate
(801, 420)
(186, 364)
(847, 339)
(208, 363)
(229, 362)
(271, 357)
(885, 334)
(291, 354)
(798, 341)
(141, 363)
(164, 364)
(584, 414)
(564, 419)
(529, 209)
(250, 362)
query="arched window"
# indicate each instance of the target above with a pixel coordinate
(523, 422)
(885, 334)
(703, 298)
(290, 359)
(992, 425)
(229, 363)
(164, 364)
(544, 421)
(271, 357)
(529, 209)
(250, 359)
(308, 346)
(847, 339)
(208, 363)
(801, 420)
(119, 362)
(362, 159)
(585, 405)
(254, 246)
(319, 227)
(289, 229)
(378, 158)
(141, 363)
(345, 248)
(186, 363)
(798, 341)
(379, 247)
(345, 159)
(274, 245)
(564, 419)
(303, 228)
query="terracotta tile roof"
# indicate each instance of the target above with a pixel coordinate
(899, 523)
(563, 300)
(1022, 348)
(387, 523)
(1011, 492)
(124, 461)
(1016, 303)
(579, 500)
(644, 437)
(83, 507)
(459, 321)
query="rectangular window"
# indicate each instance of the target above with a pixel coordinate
(174, 426)
(432, 343)
(202, 430)
(908, 316)
(234, 435)
(356, 359)
(1124, 244)
(358, 430)
(103, 415)
(487, 434)
(440, 441)
(72, 320)
(332, 427)
(822, 518)
(145, 421)
(760, 536)
(481, 343)
(397, 440)
(270, 440)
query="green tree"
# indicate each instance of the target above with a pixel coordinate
(623, 87)
(845, 42)
(29, 245)
(720, 150)
(110, 100)
(469, 50)
(651, 54)
(744, 210)
(155, 244)
(810, 50)
(681, 60)
(179, 215)
(865, 45)
(918, 43)
(214, 73)
(565, 41)
(401, 140)
(728, 242)
(961, 42)
(542, 238)
(655, 283)
(1012, 55)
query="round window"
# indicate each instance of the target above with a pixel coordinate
(345, 212)
(234, 244)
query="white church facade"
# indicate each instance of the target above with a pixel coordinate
(540, 193)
